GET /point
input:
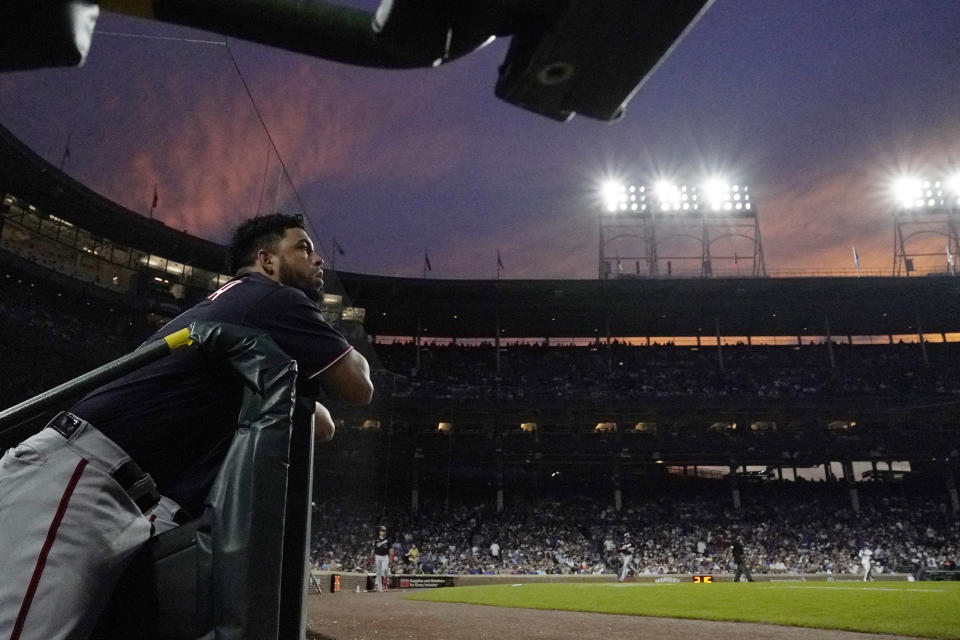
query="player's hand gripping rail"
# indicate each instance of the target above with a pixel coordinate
(27, 409)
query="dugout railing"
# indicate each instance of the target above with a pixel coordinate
(240, 569)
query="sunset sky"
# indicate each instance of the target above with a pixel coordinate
(815, 104)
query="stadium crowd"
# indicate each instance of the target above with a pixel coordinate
(60, 335)
(804, 528)
(44, 319)
(620, 371)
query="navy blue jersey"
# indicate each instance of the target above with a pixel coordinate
(381, 547)
(738, 551)
(176, 417)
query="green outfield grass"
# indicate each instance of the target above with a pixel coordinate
(930, 609)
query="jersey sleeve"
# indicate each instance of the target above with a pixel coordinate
(297, 326)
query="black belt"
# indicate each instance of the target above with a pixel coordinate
(135, 481)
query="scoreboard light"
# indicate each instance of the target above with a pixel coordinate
(702, 579)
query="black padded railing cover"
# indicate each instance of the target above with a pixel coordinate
(239, 570)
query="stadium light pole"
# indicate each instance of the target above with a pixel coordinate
(670, 213)
(624, 212)
(924, 207)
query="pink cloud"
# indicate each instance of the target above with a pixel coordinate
(213, 162)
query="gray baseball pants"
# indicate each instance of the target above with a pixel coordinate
(381, 565)
(67, 532)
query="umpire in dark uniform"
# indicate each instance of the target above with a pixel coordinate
(742, 567)
(79, 498)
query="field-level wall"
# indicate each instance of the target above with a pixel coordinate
(349, 581)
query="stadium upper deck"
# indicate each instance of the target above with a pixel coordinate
(657, 307)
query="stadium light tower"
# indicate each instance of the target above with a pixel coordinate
(655, 228)
(925, 207)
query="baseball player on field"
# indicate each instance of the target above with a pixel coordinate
(381, 559)
(866, 559)
(626, 556)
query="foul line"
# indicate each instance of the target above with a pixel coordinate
(860, 589)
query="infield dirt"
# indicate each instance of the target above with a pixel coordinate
(369, 616)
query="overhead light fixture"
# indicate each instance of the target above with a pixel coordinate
(614, 194)
(907, 192)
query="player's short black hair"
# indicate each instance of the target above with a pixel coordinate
(261, 232)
